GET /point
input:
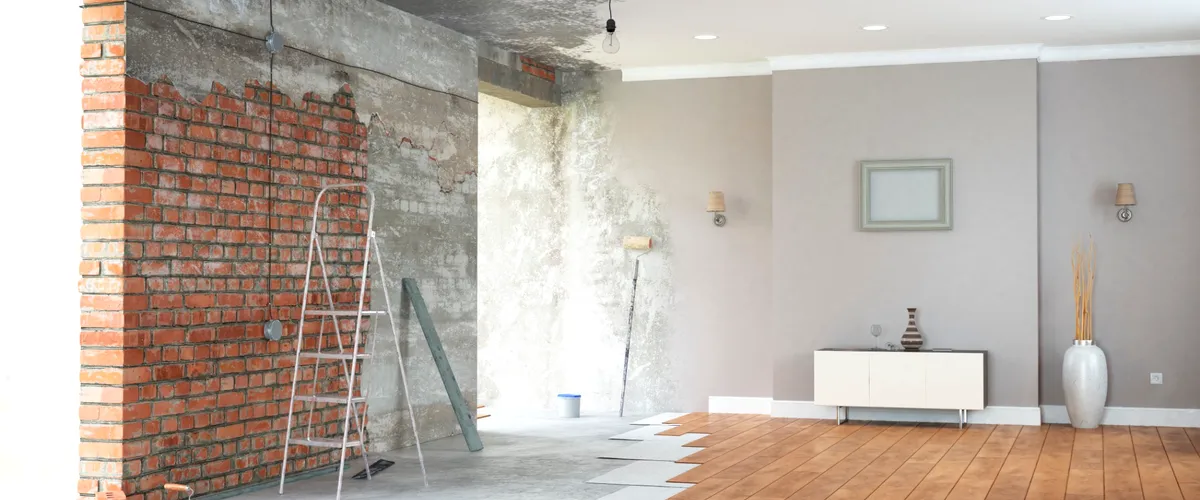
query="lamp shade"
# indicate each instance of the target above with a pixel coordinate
(1125, 196)
(716, 201)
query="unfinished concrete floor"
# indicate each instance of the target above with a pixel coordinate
(525, 458)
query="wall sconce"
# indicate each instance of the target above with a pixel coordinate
(1125, 199)
(716, 205)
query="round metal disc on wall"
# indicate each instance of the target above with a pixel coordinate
(273, 330)
(274, 42)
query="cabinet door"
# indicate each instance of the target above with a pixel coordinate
(898, 379)
(841, 378)
(954, 381)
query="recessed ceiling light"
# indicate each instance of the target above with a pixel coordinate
(706, 37)
(874, 27)
(1057, 18)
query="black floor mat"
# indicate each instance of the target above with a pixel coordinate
(377, 467)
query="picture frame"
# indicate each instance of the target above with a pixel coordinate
(907, 195)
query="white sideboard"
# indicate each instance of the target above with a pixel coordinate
(934, 380)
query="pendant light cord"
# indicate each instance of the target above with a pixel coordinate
(270, 169)
(610, 9)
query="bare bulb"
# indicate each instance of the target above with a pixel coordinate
(611, 44)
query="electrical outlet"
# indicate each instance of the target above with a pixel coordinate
(1156, 378)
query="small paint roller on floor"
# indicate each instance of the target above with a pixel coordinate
(644, 243)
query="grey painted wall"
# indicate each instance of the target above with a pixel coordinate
(1104, 122)
(626, 159)
(975, 286)
(418, 95)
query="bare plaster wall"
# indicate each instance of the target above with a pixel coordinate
(1104, 122)
(560, 187)
(415, 85)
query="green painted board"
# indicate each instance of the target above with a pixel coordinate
(461, 411)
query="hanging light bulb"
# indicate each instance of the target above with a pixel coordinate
(611, 44)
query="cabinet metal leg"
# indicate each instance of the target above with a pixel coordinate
(962, 418)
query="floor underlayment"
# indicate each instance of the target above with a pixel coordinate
(523, 458)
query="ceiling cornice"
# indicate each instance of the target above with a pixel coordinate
(697, 71)
(905, 57)
(1039, 52)
(1121, 51)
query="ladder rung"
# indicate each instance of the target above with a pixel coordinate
(329, 398)
(343, 312)
(324, 442)
(333, 355)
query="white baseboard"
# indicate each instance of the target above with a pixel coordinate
(737, 404)
(1007, 415)
(1118, 415)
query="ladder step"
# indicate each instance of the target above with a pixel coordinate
(343, 312)
(333, 355)
(329, 398)
(324, 442)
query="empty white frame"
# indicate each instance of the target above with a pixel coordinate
(906, 195)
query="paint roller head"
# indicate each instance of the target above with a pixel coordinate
(637, 243)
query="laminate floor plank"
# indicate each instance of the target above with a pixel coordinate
(693, 426)
(1185, 462)
(1013, 480)
(1154, 468)
(977, 480)
(1050, 478)
(790, 454)
(908, 476)
(1085, 478)
(799, 477)
(873, 475)
(943, 476)
(741, 432)
(831, 480)
(1121, 481)
(687, 418)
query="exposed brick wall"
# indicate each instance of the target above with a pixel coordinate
(540, 70)
(183, 210)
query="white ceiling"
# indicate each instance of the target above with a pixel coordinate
(660, 32)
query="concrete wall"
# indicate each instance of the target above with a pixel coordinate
(40, 407)
(626, 159)
(975, 286)
(415, 85)
(1104, 122)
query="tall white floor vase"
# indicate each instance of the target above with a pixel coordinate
(1085, 383)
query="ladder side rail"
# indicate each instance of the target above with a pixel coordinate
(362, 296)
(351, 407)
(399, 354)
(299, 345)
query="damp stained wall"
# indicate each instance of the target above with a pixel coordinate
(415, 87)
(560, 188)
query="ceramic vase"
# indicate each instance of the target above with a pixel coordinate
(912, 340)
(1085, 384)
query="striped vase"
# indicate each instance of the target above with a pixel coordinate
(911, 340)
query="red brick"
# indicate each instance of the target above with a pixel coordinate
(90, 50)
(104, 14)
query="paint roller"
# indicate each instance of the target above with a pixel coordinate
(643, 243)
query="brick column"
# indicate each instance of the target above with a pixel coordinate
(114, 143)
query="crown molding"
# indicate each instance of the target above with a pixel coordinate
(650, 73)
(905, 57)
(1120, 51)
(920, 56)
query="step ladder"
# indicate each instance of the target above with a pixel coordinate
(348, 356)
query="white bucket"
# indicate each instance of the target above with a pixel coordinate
(568, 405)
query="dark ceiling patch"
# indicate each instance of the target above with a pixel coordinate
(541, 29)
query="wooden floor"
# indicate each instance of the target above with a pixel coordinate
(759, 457)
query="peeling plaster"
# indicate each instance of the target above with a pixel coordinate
(557, 32)
(555, 282)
